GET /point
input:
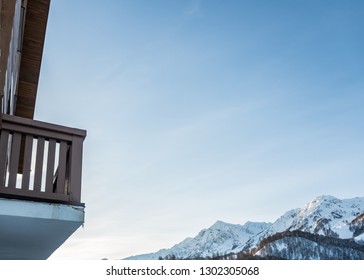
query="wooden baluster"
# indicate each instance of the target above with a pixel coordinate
(28, 149)
(61, 176)
(76, 169)
(39, 165)
(14, 160)
(4, 139)
(50, 166)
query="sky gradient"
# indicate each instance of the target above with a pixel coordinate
(203, 110)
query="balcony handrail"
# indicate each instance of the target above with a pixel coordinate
(54, 152)
(43, 128)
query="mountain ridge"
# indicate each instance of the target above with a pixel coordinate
(325, 216)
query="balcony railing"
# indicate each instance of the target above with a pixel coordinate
(40, 161)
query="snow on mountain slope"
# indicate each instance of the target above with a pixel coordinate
(325, 215)
(360, 239)
(301, 248)
(220, 238)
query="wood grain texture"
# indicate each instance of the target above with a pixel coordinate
(32, 50)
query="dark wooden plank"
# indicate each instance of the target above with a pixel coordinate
(36, 195)
(19, 127)
(39, 165)
(14, 160)
(76, 169)
(61, 174)
(39, 125)
(28, 149)
(4, 139)
(50, 165)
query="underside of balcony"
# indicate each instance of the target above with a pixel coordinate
(32, 230)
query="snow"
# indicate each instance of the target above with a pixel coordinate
(325, 215)
(359, 239)
(220, 238)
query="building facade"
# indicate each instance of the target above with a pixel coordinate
(40, 162)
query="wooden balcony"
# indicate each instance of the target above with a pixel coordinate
(40, 161)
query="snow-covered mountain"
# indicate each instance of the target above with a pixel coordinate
(327, 225)
(299, 245)
(220, 238)
(325, 215)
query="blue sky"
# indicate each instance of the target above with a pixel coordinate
(203, 110)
